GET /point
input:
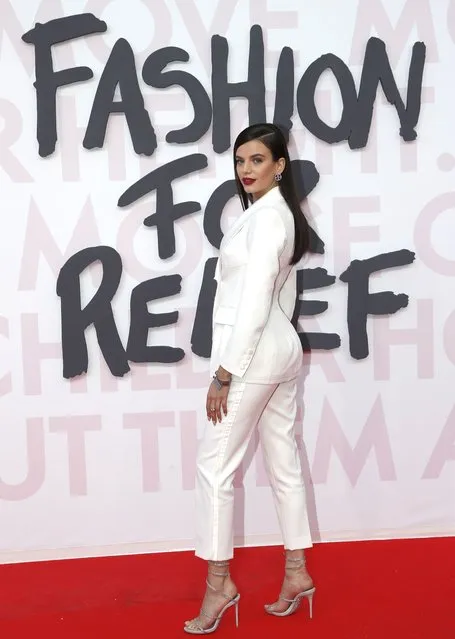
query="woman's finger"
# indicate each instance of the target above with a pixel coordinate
(207, 406)
(218, 409)
(210, 404)
(224, 404)
(212, 409)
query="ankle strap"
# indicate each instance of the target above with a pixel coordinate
(218, 574)
(218, 564)
(294, 563)
(217, 590)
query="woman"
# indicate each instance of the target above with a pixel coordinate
(256, 358)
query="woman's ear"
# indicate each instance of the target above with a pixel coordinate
(280, 165)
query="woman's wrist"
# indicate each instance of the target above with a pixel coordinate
(223, 375)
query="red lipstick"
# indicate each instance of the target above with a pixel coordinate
(248, 181)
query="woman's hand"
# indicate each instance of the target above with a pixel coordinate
(216, 402)
(217, 398)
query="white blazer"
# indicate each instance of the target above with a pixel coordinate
(253, 337)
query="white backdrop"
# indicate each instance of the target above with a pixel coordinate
(101, 465)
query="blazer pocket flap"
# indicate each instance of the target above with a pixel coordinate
(225, 315)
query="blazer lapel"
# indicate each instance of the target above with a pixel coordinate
(271, 196)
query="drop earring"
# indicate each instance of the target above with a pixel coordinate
(278, 177)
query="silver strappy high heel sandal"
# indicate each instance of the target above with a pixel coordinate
(296, 564)
(194, 628)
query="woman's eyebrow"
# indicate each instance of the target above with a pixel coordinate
(255, 155)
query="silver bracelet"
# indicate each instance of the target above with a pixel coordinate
(219, 383)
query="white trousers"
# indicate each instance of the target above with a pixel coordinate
(271, 408)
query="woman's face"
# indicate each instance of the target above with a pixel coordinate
(256, 168)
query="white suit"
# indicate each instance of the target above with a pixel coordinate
(256, 294)
(254, 340)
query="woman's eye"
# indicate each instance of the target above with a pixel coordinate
(238, 161)
(257, 160)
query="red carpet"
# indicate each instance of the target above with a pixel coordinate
(365, 590)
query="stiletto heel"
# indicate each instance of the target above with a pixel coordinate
(295, 603)
(298, 563)
(194, 628)
(310, 602)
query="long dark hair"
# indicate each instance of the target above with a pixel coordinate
(272, 137)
